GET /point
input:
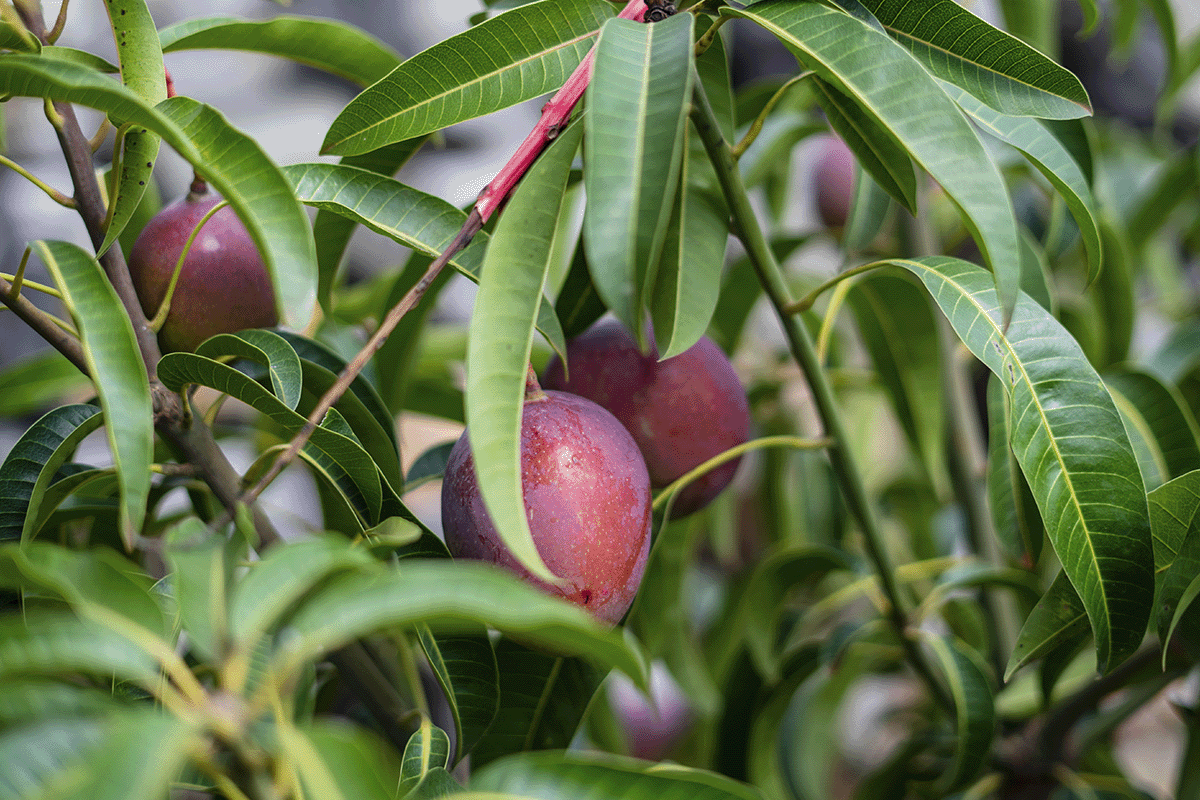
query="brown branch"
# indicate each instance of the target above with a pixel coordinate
(45, 326)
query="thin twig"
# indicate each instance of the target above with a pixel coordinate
(45, 325)
(54, 194)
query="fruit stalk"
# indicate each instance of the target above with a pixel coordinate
(800, 342)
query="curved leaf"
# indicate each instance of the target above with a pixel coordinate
(500, 341)
(412, 218)
(82, 57)
(31, 384)
(56, 643)
(1175, 515)
(1162, 417)
(34, 460)
(31, 756)
(325, 44)
(282, 576)
(177, 370)
(427, 749)
(266, 348)
(518, 55)
(115, 364)
(140, 56)
(886, 82)
(465, 667)
(1071, 445)
(25, 700)
(637, 102)
(449, 595)
(998, 68)
(974, 709)
(1051, 158)
(429, 466)
(16, 37)
(337, 761)
(1014, 512)
(1058, 618)
(602, 776)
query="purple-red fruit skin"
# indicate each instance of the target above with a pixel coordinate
(223, 286)
(587, 499)
(834, 178)
(681, 412)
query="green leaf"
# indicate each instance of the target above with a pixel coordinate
(408, 216)
(142, 71)
(453, 596)
(637, 112)
(543, 699)
(40, 642)
(34, 460)
(551, 776)
(1051, 158)
(202, 564)
(1014, 512)
(116, 368)
(1175, 517)
(266, 348)
(500, 341)
(99, 584)
(974, 709)
(429, 466)
(81, 57)
(889, 85)
(427, 749)
(998, 68)
(337, 761)
(18, 38)
(513, 57)
(1071, 445)
(1057, 619)
(465, 667)
(325, 44)
(29, 385)
(27, 700)
(578, 304)
(900, 333)
(1160, 416)
(177, 370)
(1178, 355)
(284, 574)
(32, 756)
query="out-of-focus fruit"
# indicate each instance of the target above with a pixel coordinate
(652, 725)
(223, 286)
(681, 412)
(834, 180)
(587, 499)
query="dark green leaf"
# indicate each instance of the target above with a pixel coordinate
(1175, 516)
(332, 46)
(1057, 619)
(578, 304)
(974, 709)
(266, 348)
(465, 668)
(427, 749)
(116, 369)
(637, 103)
(1014, 512)
(500, 341)
(35, 459)
(1160, 416)
(1071, 445)
(429, 466)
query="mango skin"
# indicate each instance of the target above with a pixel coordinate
(587, 499)
(681, 412)
(834, 179)
(223, 286)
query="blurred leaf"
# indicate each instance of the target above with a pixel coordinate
(39, 642)
(1051, 158)
(81, 57)
(1115, 294)
(868, 213)
(898, 328)
(637, 103)
(116, 369)
(1161, 416)
(994, 66)
(332, 46)
(285, 573)
(465, 667)
(1175, 516)
(451, 596)
(500, 340)
(1173, 182)
(266, 348)
(578, 304)
(412, 218)
(765, 746)
(427, 749)
(905, 100)
(429, 466)
(397, 360)
(974, 709)
(202, 573)
(1071, 445)
(30, 467)
(33, 756)
(554, 775)
(177, 370)
(1058, 618)
(36, 699)
(1179, 354)
(14, 37)
(337, 761)
(29, 384)
(513, 57)
(1014, 512)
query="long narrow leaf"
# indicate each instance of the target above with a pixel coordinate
(115, 364)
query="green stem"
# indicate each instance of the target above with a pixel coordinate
(806, 302)
(54, 194)
(757, 126)
(848, 474)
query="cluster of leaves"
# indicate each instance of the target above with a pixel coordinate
(251, 667)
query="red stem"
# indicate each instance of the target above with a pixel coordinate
(554, 118)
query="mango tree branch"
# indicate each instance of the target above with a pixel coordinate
(848, 474)
(44, 325)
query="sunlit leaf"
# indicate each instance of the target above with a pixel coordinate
(116, 368)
